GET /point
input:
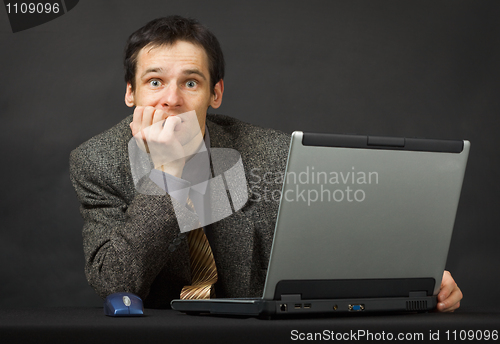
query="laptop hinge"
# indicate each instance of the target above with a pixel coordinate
(418, 294)
(291, 297)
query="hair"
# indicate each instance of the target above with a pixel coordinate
(167, 31)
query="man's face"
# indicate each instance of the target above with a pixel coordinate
(174, 79)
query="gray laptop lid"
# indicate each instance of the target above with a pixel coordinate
(366, 208)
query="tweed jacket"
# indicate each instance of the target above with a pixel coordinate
(126, 234)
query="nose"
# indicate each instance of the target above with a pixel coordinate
(171, 97)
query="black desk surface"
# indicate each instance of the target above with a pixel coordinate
(90, 325)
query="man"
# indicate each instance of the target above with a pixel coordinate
(131, 239)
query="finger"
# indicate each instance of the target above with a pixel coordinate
(159, 115)
(136, 125)
(450, 294)
(447, 286)
(452, 302)
(154, 131)
(143, 138)
(137, 120)
(147, 116)
(189, 116)
(169, 126)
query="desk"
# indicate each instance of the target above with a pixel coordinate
(91, 326)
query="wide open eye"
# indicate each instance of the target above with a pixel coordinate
(191, 84)
(155, 83)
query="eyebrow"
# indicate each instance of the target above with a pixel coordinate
(195, 71)
(160, 70)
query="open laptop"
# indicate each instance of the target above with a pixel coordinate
(364, 224)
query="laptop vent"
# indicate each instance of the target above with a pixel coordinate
(416, 305)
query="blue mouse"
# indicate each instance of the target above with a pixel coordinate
(123, 305)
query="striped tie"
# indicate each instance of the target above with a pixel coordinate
(203, 269)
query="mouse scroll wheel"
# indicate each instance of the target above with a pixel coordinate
(126, 301)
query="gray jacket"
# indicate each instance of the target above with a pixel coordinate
(126, 234)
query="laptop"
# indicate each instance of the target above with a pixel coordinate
(364, 225)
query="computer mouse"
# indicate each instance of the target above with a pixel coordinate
(123, 305)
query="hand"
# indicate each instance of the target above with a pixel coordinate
(167, 138)
(450, 295)
(144, 117)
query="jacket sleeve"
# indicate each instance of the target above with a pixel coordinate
(126, 240)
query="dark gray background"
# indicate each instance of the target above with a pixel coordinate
(403, 68)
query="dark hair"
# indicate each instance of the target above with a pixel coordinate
(167, 31)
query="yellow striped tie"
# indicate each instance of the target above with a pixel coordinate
(203, 269)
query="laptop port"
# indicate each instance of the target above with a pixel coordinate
(298, 305)
(307, 305)
(283, 307)
(356, 308)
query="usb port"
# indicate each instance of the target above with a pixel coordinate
(307, 305)
(298, 305)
